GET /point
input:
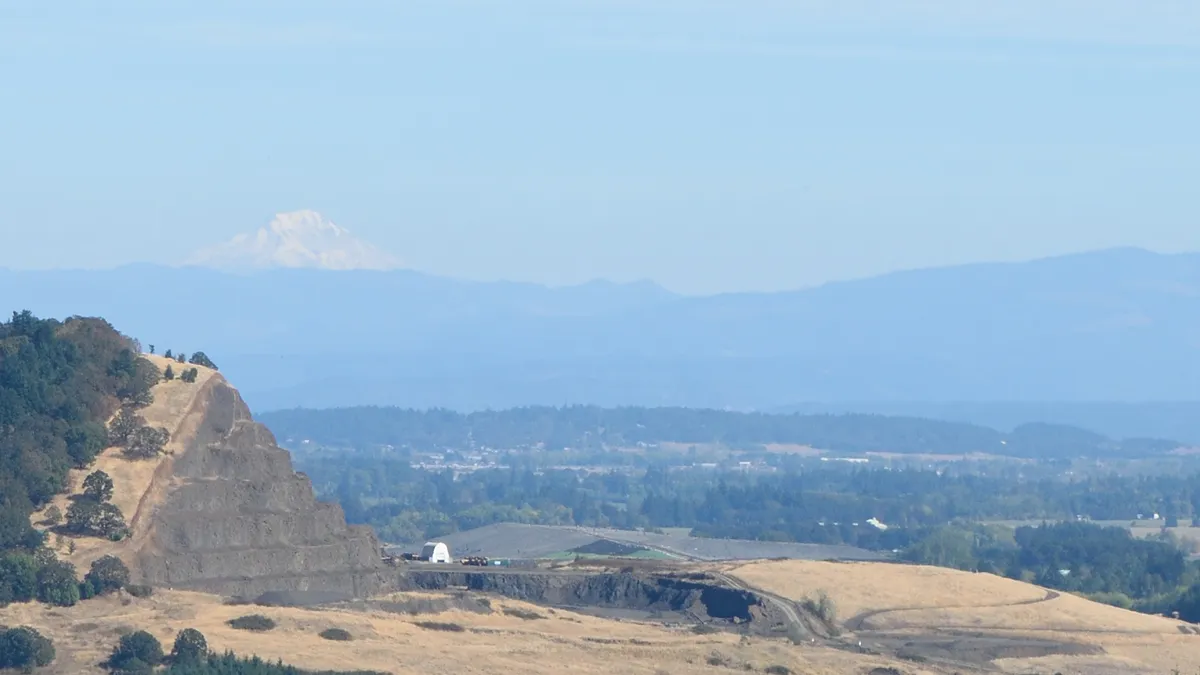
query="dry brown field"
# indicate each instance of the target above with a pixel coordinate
(885, 603)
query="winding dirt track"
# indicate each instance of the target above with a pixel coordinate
(783, 604)
(855, 623)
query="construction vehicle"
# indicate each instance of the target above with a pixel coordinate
(475, 561)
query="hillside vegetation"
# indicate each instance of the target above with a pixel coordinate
(60, 382)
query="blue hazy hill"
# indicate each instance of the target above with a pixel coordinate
(1119, 325)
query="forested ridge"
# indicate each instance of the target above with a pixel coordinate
(591, 426)
(59, 384)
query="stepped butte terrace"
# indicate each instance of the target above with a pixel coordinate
(224, 515)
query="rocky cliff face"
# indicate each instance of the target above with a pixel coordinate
(230, 516)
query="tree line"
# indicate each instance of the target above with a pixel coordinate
(590, 426)
(818, 503)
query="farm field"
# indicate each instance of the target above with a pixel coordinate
(510, 540)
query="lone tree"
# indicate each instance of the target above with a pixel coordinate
(147, 442)
(98, 486)
(107, 574)
(190, 646)
(169, 374)
(123, 425)
(167, 354)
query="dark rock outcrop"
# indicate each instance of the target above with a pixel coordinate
(234, 518)
(703, 601)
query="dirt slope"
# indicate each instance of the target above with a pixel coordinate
(140, 485)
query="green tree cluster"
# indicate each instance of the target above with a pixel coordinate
(92, 513)
(59, 381)
(141, 652)
(23, 648)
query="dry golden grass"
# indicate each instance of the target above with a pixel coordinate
(493, 643)
(139, 485)
(861, 587)
(924, 600)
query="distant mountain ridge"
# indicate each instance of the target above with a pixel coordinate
(594, 428)
(1117, 325)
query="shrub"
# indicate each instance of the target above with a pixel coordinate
(190, 646)
(823, 607)
(777, 670)
(136, 652)
(24, 648)
(139, 590)
(718, 659)
(201, 359)
(336, 634)
(442, 626)
(53, 516)
(252, 622)
(519, 613)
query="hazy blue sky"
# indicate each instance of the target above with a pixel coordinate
(710, 145)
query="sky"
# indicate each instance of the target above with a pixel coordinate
(709, 145)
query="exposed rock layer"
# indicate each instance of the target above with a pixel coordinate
(236, 519)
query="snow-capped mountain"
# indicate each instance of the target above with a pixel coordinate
(295, 239)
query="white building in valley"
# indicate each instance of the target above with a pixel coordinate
(435, 552)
